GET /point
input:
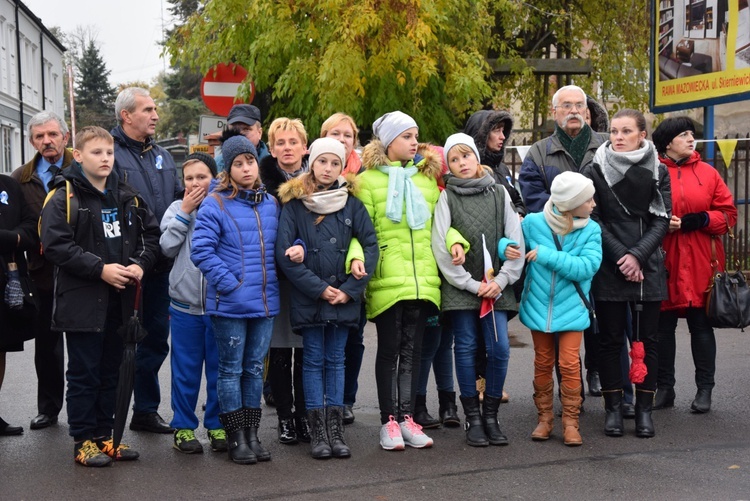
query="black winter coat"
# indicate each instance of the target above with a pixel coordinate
(624, 233)
(327, 244)
(81, 296)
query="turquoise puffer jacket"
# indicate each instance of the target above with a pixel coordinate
(550, 302)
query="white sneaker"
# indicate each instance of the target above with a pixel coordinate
(390, 436)
(413, 435)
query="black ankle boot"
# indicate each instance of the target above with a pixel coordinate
(319, 446)
(421, 416)
(448, 410)
(489, 417)
(664, 398)
(335, 425)
(644, 425)
(287, 431)
(302, 425)
(252, 423)
(613, 426)
(234, 425)
(475, 435)
(702, 402)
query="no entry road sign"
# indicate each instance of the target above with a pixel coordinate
(220, 85)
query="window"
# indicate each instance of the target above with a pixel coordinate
(6, 138)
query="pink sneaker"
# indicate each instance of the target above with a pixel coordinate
(390, 436)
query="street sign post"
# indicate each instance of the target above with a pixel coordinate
(220, 85)
(208, 125)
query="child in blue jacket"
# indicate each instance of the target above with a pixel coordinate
(551, 306)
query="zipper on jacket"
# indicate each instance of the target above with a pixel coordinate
(682, 189)
(262, 258)
(551, 301)
(414, 261)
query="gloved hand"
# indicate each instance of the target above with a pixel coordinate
(694, 221)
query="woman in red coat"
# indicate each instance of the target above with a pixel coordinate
(702, 211)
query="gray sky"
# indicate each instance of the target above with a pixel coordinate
(127, 31)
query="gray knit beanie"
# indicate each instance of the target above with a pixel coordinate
(389, 126)
(236, 145)
(570, 190)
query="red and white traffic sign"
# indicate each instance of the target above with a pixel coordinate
(220, 85)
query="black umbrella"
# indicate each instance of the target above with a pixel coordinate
(132, 332)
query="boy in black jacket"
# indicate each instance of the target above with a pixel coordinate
(100, 243)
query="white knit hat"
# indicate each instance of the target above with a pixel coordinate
(389, 126)
(570, 190)
(459, 138)
(327, 145)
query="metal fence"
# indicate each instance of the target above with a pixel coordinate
(736, 175)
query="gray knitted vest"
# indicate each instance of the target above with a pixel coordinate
(471, 216)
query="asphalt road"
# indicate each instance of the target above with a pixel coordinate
(691, 457)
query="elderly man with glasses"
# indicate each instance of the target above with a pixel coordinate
(571, 147)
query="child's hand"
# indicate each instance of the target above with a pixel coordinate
(329, 294)
(295, 253)
(136, 271)
(674, 224)
(531, 255)
(341, 298)
(358, 269)
(192, 200)
(512, 252)
(459, 257)
(630, 267)
(490, 290)
(116, 275)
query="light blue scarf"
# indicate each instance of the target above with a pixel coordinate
(400, 187)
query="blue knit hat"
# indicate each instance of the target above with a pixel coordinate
(236, 145)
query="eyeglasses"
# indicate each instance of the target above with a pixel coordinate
(570, 106)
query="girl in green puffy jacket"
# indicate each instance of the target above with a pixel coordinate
(399, 190)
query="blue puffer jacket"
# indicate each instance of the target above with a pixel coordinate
(233, 246)
(550, 302)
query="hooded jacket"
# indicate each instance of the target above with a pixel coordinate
(478, 126)
(324, 265)
(696, 187)
(79, 252)
(233, 246)
(406, 268)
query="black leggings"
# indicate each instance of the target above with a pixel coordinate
(285, 377)
(400, 331)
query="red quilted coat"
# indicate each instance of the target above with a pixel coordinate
(696, 187)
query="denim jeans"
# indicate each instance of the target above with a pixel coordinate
(355, 351)
(153, 350)
(193, 346)
(437, 352)
(323, 365)
(467, 327)
(93, 371)
(702, 344)
(242, 344)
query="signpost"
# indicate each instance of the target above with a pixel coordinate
(209, 125)
(220, 85)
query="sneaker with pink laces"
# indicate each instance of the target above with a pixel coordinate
(413, 435)
(390, 436)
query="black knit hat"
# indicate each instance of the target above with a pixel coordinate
(206, 159)
(668, 130)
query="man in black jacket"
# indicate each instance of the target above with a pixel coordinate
(150, 169)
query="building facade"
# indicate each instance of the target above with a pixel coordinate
(31, 79)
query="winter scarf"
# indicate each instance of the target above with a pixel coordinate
(469, 186)
(558, 222)
(633, 177)
(576, 146)
(329, 201)
(400, 188)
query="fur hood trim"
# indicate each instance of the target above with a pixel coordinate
(295, 188)
(430, 164)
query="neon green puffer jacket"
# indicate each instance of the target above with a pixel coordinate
(406, 268)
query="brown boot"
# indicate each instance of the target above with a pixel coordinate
(571, 402)
(543, 401)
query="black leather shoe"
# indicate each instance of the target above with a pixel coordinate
(595, 384)
(702, 402)
(628, 410)
(348, 414)
(150, 422)
(8, 430)
(303, 429)
(42, 421)
(287, 432)
(664, 398)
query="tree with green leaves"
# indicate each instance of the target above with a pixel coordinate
(95, 97)
(428, 58)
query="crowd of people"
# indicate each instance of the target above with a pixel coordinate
(266, 262)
